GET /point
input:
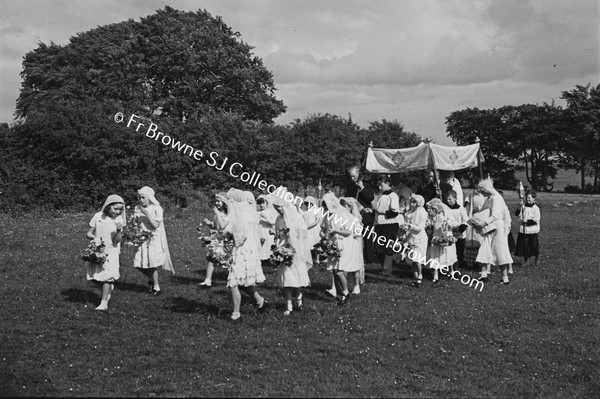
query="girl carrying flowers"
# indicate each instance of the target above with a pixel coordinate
(416, 220)
(338, 229)
(245, 270)
(219, 224)
(153, 253)
(267, 217)
(442, 248)
(105, 232)
(291, 232)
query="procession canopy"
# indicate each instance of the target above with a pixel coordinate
(423, 156)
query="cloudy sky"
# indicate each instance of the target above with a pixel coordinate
(414, 61)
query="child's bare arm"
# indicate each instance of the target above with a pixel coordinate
(90, 234)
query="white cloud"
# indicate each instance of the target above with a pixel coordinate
(414, 61)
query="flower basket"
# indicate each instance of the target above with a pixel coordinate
(94, 253)
(282, 254)
(471, 250)
(133, 234)
(327, 248)
(220, 248)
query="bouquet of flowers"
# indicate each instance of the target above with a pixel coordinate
(282, 254)
(133, 234)
(220, 247)
(403, 236)
(327, 248)
(94, 252)
(443, 241)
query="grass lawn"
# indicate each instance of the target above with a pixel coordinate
(537, 337)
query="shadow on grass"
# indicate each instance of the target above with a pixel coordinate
(184, 305)
(317, 291)
(131, 287)
(186, 280)
(77, 295)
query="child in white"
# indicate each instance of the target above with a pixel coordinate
(154, 253)
(220, 222)
(106, 227)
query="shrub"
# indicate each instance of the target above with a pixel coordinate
(572, 189)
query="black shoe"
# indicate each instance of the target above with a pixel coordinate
(342, 300)
(505, 282)
(417, 284)
(155, 293)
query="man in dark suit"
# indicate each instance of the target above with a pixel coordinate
(429, 189)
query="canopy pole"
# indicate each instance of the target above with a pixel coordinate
(479, 158)
(436, 177)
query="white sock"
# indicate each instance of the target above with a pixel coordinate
(156, 287)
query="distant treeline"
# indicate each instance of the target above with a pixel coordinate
(76, 164)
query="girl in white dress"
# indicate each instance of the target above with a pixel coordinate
(339, 229)
(494, 245)
(153, 253)
(312, 219)
(416, 220)
(267, 217)
(220, 222)
(290, 228)
(445, 255)
(106, 227)
(356, 245)
(245, 271)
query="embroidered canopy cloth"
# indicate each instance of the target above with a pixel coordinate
(423, 156)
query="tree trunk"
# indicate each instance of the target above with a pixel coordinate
(527, 168)
(582, 174)
(596, 177)
(545, 172)
(535, 173)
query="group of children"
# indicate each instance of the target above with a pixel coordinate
(278, 223)
(106, 228)
(436, 231)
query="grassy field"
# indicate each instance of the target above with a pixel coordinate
(537, 337)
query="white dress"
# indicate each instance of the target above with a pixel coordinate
(108, 272)
(267, 218)
(416, 234)
(313, 232)
(350, 248)
(151, 253)
(444, 255)
(296, 274)
(246, 269)
(494, 245)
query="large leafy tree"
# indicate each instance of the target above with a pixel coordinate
(582, 115)
(321, 147)
(464, 127)
(180, 64)
(536, 131)
(179, 69)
